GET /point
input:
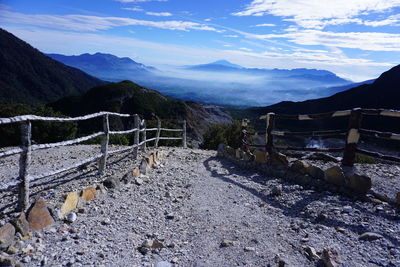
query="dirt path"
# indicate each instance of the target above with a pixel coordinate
(204, 211)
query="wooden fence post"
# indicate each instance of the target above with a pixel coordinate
(24, 162)
(144, 136)
(352, 137)
(269, 138)
(158, 131)
(104, 145)
(244, 135)
(184, 134)
(136, 140)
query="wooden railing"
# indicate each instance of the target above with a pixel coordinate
(352, 133)
(26, 146)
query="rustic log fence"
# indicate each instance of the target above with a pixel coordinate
(26, 147)
(352, 134)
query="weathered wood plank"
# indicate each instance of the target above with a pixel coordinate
(24, 163)
(67, 143)
(39, 118)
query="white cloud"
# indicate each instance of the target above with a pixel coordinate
(265, 25)
(95, 23)
(231, 35)
(139, 9)
(245, 49)
(318, 13)
(159, 14)
(371, 41)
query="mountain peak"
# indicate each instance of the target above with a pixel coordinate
(226, 63)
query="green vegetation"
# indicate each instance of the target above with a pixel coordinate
(229, 134)
(360, 158)
(42, 132)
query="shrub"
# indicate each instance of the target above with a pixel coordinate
(42, 132)
(229, 134)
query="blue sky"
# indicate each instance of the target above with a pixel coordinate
(357, 39)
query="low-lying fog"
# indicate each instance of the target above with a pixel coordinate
(236, 89)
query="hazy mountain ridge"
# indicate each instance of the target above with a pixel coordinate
(28, 76)
(220, 82)
(299, 73)
(384, 92)
(106, 66)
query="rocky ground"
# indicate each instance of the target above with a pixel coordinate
(199, 210)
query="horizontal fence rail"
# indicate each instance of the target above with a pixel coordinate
(26, 148)
(352, 134)
(39, 118)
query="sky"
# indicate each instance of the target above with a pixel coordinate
(356, 39)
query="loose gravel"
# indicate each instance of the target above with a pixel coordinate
(199, 210)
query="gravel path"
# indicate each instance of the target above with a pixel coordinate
(200, 210)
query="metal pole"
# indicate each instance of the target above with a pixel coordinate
(24, 162)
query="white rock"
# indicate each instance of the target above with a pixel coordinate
(71, 217)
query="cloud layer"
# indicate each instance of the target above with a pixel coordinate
(318, 14)
(95, 23)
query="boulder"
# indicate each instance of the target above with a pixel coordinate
(136, 172)
(89, 193)
(315, 172)
(278, 159)
(21, 224)
(112, 182)
(150, 160)
(330, 258)
(238, 153)
(39, 216)
(299, 166)
(7, 233)
(144, 167)
(359, 183)
(260, 156)
(70, 203)
(7, 261)
(370, 236)
(220, 150)
(334, 175)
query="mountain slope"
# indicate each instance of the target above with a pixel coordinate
(28, 76)
(384, 92)
(106, 66)
(128, 97)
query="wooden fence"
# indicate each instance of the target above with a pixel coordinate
(26, 146)
(352, 133)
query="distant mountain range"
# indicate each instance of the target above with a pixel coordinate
(106, 66)
(220, 82)
(302, 74)
(384, 92)
(28, 76)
